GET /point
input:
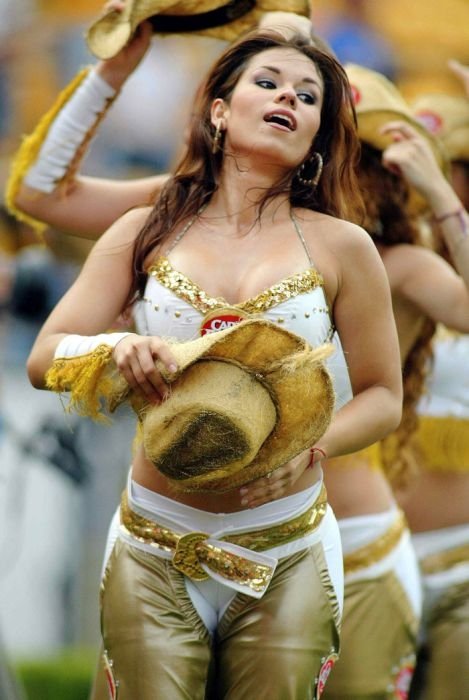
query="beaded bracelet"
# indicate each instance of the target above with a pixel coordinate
(311, 459)
(459, 215)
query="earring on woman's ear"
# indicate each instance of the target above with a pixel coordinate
(217, 138)
(311, 182)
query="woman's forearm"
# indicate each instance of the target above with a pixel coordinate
(366, 419)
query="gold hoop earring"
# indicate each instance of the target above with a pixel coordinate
(311, 182)
(217, 138)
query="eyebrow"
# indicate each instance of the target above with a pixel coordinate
(303, 80)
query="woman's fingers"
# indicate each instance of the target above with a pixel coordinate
(266, 490)
(136, 356)
(399, 130)
(275, 484)
(461, 71)
(113, 6)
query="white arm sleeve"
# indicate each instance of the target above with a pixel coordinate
(68, 131)
(75, 345)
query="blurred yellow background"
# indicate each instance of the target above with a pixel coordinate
(423, 33)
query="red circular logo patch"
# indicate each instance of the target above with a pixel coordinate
(356, 94)
(402, 682)
(220, 319)
(430, 120)
(326, 668)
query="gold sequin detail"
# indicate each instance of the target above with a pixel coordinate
(189, 291)
(441, 561)
(377, 549)
(236, 568)
(192, 549)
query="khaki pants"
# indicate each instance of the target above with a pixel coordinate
(275, 647)
(378, 640)
(445, 675)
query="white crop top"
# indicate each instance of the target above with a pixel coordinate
(447, 391)
(173, 306)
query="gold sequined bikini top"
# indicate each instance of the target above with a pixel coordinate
(297, 301)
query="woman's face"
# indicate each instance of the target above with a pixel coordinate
(275, 109)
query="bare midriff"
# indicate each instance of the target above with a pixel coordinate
(356, 490)
(436, 500)
(145, 474)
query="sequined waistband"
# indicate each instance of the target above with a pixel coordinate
(441, 561)
(376, 550)
(232, 559)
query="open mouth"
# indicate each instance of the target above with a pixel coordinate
(284, 120)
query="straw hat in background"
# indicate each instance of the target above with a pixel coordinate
(215, 18)
(378, 101)
(447, 118)
(244, 401)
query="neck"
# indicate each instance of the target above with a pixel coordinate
(241, 190)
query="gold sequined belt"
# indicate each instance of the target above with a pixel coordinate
(377, 549)
(233, 560)
(441, 561)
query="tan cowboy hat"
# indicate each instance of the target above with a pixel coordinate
(216, 18)
(378, 101)
(447, 118)
(243, 402)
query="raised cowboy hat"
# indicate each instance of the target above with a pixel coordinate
(447, 118)
(243, 402)
(216, 18)
(378, 101)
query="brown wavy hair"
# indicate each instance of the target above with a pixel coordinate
(196, 176)
(388, 223)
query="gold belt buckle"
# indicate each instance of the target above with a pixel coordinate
(185, 558)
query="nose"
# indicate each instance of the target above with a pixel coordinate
(288, 97)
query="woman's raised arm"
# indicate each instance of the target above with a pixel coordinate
(44, 187)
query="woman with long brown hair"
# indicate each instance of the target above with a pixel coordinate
(247, 221)
(401, 181)
(436, 498)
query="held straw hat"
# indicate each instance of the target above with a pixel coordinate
(378, 101)
(447, 118)
(243, 402)
(216, 18)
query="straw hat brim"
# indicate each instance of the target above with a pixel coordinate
(295, 377)
(447, 118)
(377, 102)
(215, 18)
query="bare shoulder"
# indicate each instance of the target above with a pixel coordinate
(407, 257)
(338, 235)
(406, 261)
(126, 228)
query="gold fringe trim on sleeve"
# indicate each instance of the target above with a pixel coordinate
(92, 387)
(28, 152)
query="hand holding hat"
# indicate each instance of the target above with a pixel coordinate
(410, 156)
(377, 103)
(242, 402)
